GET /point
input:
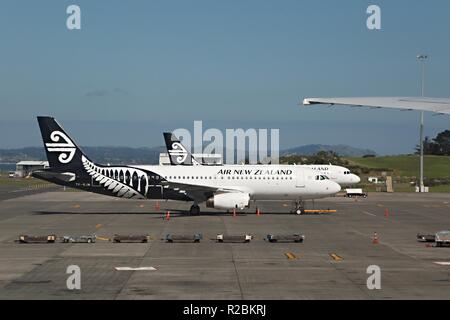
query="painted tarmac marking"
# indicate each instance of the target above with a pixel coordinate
(290, 256)
(336, 257)
(370, 214)
(103, 238)
(443, 263)
(135, 269)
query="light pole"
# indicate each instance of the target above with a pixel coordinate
(422, 58)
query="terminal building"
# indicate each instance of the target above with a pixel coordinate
(25, 168)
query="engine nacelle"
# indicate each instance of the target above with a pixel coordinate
(229, 201)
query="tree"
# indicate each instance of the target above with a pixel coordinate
(443, 143)
(439, 146)
(325, 157)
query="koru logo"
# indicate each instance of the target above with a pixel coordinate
(179, 152)
(66, 148)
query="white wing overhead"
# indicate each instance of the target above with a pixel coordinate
(437, 105)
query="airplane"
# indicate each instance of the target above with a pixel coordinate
(223, 188)
(341, 175)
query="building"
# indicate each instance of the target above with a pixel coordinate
(25, 168)
(208, 159)
(373, 179)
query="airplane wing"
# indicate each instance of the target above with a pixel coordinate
(198, 193)
(436, 105)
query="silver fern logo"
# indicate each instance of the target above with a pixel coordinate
(123, 182)
(65, 147)
(179, 152)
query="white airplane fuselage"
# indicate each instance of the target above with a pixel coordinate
(221, 187)
(338, 174)
(261, 182)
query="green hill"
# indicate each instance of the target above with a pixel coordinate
(435, 167)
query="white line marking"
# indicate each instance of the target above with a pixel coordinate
(443, 263)
(135, 269)
(370, 214)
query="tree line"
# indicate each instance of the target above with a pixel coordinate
(439, 146)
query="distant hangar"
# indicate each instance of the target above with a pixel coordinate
(25, 168)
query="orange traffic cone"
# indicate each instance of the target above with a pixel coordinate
(258, 213)
(234, 212)
(157, 206)
(168, 215)
(386, 213)
(375, 238)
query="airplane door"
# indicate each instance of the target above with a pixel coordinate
(300, 179)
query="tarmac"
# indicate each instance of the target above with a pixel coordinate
(331, 263)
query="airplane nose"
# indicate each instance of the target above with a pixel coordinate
(337, 187)
(356, 179)
(333, 187)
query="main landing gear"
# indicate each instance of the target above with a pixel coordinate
(194, 210)
(298, 207)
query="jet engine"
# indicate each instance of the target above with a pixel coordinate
(229, 201)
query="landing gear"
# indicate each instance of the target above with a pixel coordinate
(194, 210)
(298, 207)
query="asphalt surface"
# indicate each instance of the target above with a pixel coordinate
(12, 191)
(330, 264)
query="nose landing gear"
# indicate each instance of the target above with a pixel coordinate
(298, 207)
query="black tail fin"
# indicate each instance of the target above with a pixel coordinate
(178, 154)
(62, 152)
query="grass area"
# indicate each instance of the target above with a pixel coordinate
(407, 165)
(442, 188)
(20, 182)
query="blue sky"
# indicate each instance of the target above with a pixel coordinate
(137, 68)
